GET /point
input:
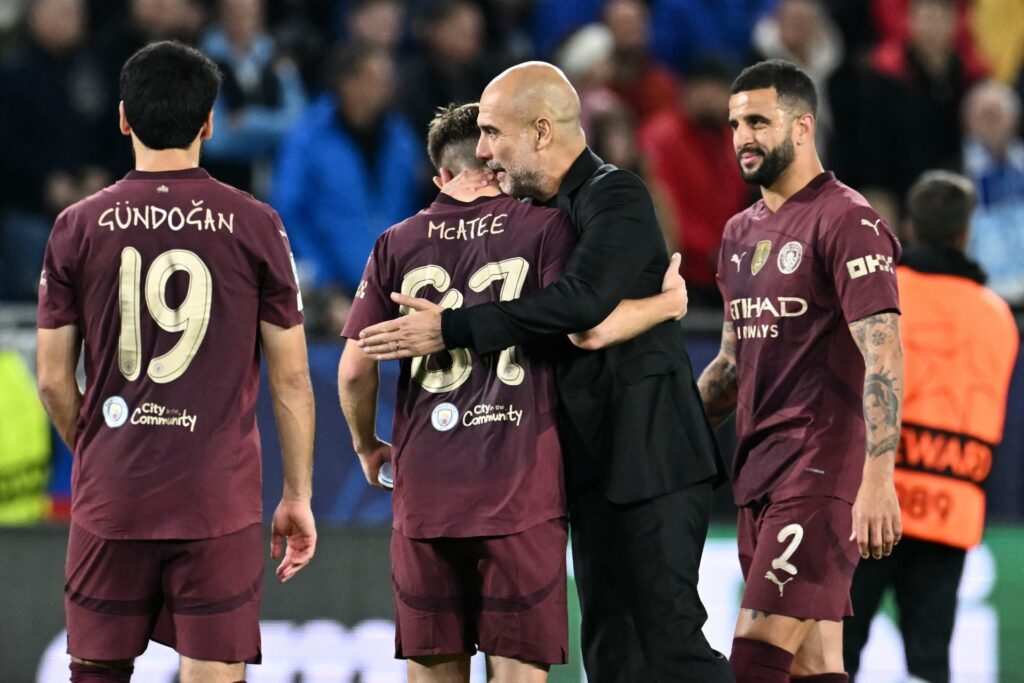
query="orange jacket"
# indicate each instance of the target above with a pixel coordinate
(960, 344)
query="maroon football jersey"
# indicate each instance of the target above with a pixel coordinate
(167, 276)
(792, 282)
(475, 451)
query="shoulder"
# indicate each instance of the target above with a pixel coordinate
(742, 218)
(610, 186)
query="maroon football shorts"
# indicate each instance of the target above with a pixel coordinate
(200, 597)
(797, 559)
(503, 595)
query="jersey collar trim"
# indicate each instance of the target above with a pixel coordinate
(183, 174)
(443, 198)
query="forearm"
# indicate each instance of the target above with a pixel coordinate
(62, 400)
(719, 389)
(878, 339)
(630, 319)
(882, 417)
(294, 411)
(358, 395)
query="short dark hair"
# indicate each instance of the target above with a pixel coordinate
(794, 88)
(347, 60)
(939, 206)
(452, 137)
(168, 90)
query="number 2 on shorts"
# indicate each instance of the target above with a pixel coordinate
(782, 561)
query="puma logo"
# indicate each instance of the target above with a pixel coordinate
(738, 259)
(781, 584)
(873, 226)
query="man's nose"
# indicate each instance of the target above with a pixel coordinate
(482, 149)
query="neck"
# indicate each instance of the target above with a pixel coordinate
(560, 166)
(154, 160)
(792, 180)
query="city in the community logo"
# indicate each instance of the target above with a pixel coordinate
(444, 417)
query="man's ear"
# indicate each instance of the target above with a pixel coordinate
(123, 120)
(545, 133)
(207, 130)
(805, 125)
(443, 178)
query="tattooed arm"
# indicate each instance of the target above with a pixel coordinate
(717, 384)
(876, 513)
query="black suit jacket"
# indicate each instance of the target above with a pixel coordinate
(630, 417)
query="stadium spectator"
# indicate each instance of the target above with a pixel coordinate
(909, 113)
(952, 421)
(689, 149)
(380, 23)
(685, 30)
(346, 171)
(260, 97)
(52, 115)
(994, 161)
(894, 19)
(450, 64)
(800, 31)
(645, 85)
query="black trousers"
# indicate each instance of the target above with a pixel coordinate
(924, 577)
(636, 573)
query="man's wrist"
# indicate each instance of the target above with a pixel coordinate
(456, 332)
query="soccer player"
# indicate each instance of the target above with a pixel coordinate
(811, 361)
(953, 418)
(478, 547)
(175, 282)
(641, 460)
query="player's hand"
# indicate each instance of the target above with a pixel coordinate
(416, 334)
(877, 525)
(674, 285)
(293, 534)
(372, 458)
(466, 184)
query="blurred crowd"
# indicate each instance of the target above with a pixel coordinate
(325, 103)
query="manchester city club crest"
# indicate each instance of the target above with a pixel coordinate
(444, 417)
(115, 411)
(790, 256)
(761, 253)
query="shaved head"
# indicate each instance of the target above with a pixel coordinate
(535, 89)
(530, 130)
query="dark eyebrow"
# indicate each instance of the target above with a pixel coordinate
(487, 128)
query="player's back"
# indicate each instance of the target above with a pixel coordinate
(475, 447)
(167, 276)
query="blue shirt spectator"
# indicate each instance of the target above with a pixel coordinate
(994, 161)
(684, 30)
(347, 171)
(261, 96)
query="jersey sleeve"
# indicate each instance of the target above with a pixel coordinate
(372, 302)
(58, 295)
(280, 298)
(861, 253)
(558, 242)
